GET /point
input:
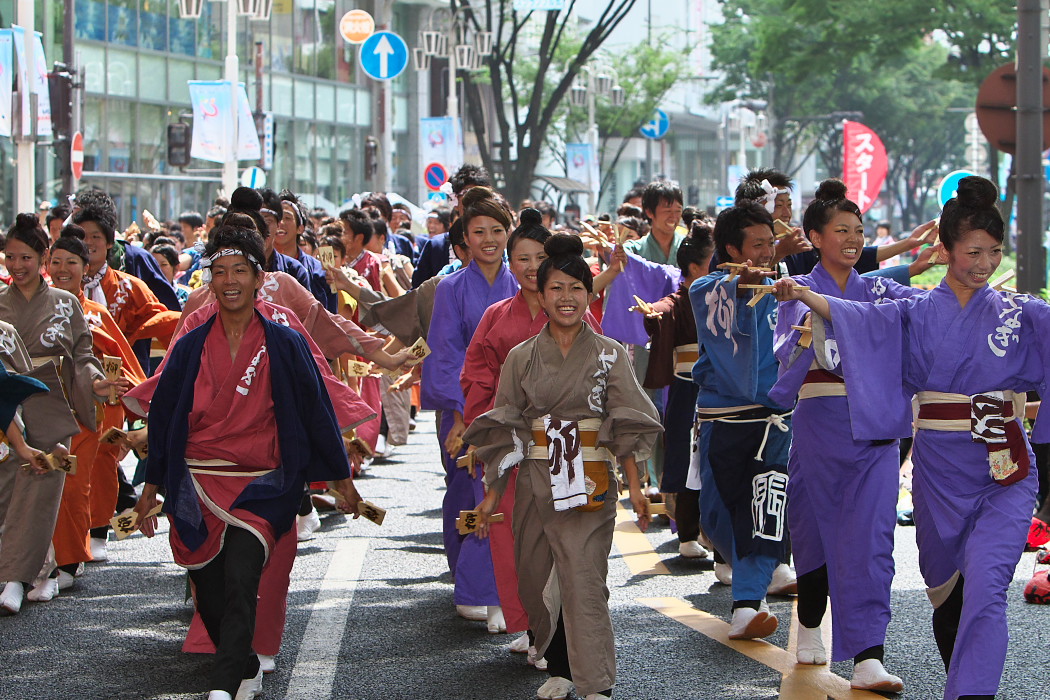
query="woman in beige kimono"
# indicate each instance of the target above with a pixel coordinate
(52, 326)
(568, 404)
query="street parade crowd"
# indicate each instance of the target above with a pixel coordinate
(760, 383)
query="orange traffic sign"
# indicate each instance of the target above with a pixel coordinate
(356, 26)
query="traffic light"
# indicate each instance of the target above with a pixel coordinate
(179, 141)
(60, 85)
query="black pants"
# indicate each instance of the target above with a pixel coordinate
(227, 589)
(557, 655)
(687, 515)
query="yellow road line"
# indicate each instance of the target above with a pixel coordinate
(634, 546)
(800, 682)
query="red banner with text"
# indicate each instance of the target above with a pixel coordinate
(864, 164)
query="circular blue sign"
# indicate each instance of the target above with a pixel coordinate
(383, 56)
(656, 127)
(950, 183)
(435, 175)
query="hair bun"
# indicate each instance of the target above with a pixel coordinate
(27, 220)
(563, 244)
(72, 231)
(973, 192)
(476, 194)
(246, 198)
(701, 231)
(530, 217)
(831, 189)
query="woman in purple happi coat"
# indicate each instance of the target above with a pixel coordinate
(460, 301)
(968, 353)
(842, 490)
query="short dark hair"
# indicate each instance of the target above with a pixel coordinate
(456, 237)
(660, 192)
(191, 218)
(216, 212)
(442, 214)
(379, 228)
(287, 195)
(359, 222)
(318, 213)
(242, 238)
(60, 212)
(750, 188)
(469, 176)
(730, 225)
(104, 217)
(631, 210)
(380, 202)
(271, 202)
(546, 209)
(168, 252)
(632, 193)
(335, 243)
(690, 214)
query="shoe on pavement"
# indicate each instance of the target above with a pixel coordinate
(65, 580)
(556, 688)
(810, 648)
(250, 687)
(473, 612)
(871, 675)
(43, 591)
(536, 661)
(307, 525)
(11, 598)
(783, 582)
(219, 695)
(519, 645)
(724, 573)
(267, 663)
(749, 623)
(692, 550)
(100, 550)
(380, 450)
(494, 618)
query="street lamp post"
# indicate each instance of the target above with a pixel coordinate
(600, 80)
(256, 10)
(464, 48)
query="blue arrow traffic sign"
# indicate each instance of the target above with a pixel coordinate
(656, 127)
(950, 184)
(384, 56)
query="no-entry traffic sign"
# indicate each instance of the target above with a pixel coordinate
(76, 155)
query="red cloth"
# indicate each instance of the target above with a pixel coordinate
(370, 266)
(272, 607)
(233, 414)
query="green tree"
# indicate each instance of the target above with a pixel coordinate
(528, 93)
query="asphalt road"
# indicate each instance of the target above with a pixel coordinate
(371, 617)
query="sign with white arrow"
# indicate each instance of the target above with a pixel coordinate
(656, 127)
(384, 56)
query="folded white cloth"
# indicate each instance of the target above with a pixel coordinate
(565, 459)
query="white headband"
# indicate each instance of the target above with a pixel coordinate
(769, 199)
(206, 262)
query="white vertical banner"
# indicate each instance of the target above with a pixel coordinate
(6, 80)
(248, 147)
(24, 85)
(579, 163)
(210, 100)
(441, 141)
(41, 88)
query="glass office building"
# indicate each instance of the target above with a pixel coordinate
(138, 56)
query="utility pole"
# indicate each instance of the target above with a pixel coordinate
(25, 197)
(1031, 48)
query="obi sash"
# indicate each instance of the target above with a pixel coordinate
(990, 418)
(753, 413)
(685, 356)
(579, 469)
(820, 382)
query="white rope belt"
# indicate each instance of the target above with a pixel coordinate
(774, 419)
